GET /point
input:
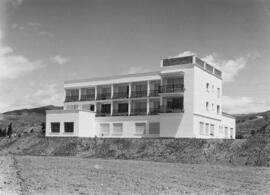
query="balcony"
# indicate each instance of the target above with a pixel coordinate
(102, 113)
(120, 113)
(154, 93)
(103, 96)
(164, 109)
(89, 97)
(138, 94)
(153, 111)
(138, 111)
(73, 98)
(120, 95)
(172, 88)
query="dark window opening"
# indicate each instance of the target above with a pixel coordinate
(55, 127)
(69, 127)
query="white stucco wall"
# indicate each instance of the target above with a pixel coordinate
(230, 123)
(82, 120)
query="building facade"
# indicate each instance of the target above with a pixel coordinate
(182, 99)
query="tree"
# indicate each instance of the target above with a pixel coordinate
(9, 131)
(4, 132)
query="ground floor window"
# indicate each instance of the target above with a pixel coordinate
(231, 133)
(140, 128)
(212, 129)
(118, 129)
(105, 129)
(201, 128)
(154, 128)
(226, 132)
(206, 129)
(55, 127)
(69, 127)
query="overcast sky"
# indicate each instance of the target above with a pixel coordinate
(44, 42)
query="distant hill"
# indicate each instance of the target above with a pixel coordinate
(25, 119)
(246, 124)
(39, 110)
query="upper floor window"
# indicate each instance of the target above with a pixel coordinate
(213, 88)
(218, 109)
(218, 92)
(207, 87)
(207, 106)
(213, 106)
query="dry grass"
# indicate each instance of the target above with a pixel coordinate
(73, 175)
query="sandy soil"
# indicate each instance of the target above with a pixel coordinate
(71, 175)
(9, 181)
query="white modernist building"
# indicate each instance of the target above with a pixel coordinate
(182, 99)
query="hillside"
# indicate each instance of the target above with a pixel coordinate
(25, 119)
(255, 123)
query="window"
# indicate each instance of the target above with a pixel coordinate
(117, 129)
(55, 127)
(218, 109)
(123, 107)
(154, 128)
(213, 88)
(212, 106)
(207, 106)
(226, 132)
(220, 130)
(207, 87)
(140, 128)
(105, 129)
(92, 107)
(201, 128)
(231, 133)
(218, 92)
(106, 108)
(206, 129)
(69, 127)
(212, 129)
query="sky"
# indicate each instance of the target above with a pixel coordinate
(45, 42)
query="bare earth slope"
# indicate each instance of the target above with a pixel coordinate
(73, 175)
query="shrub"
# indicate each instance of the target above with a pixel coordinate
(239, 136)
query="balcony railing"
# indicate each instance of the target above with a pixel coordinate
(172, 88)
(154, 92)
(120, 95)
(164, 109)
(102, 113)
(137, 94)
(154, 111)
(138, 111)
(88, 97)
(120, 113)
(73, 98)
(103, 96)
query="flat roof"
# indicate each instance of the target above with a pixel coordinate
(228, 115)
(113, 77)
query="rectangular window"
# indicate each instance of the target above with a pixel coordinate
(218, 92)
(140, 128)
(154, 128)
(206, 129)
(213, 106)
(212, 130)
(207, 106)
(123, 107)
(117, 129)
(213, 88)
(69, 127)
(231, 133)
(106, 108)
(220, 130)
(218, 109)
(92, 107)
(201, 128)
(105, 129)
(55, 127)
(226, 132)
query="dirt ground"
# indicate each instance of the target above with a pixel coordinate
(73, 175)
